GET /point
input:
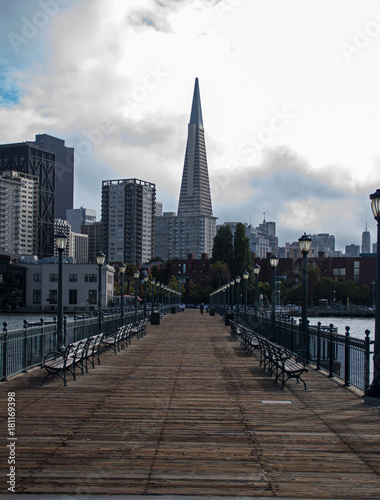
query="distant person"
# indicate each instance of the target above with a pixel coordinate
(201, 308)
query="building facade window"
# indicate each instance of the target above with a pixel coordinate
(356, 271)
(36, 277)
(90, 278)
(339, 273)
(37, 297)
(73, 297)
(73, 278)
(53, 277)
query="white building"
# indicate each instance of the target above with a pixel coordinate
(77, 243)
(80, 286)
(19, 213)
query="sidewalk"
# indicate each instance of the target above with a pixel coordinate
(185, 412)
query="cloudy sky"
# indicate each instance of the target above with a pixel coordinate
(290, 94)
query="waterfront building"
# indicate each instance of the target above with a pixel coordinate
(128, 218)
(193, 228)
(64, 172)
(27, 158)
(19, 213)
(79, 217)
(80, 286)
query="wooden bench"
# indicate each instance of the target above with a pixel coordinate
(118, 340)
(139, 329)
(76, 354)
(275, 359)
(59, 363)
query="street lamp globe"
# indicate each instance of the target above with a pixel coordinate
(305, 243)
(375, 204)
(60, 241)
(100, 258)
(256, 269)
(274, 261)
(245, 275)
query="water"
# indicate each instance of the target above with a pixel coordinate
(16, 321)
(358, 326)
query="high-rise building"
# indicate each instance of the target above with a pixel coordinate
(193, 229)
(19, 213)
(64, 172)
(29, 159)
(366, 241)
(128, 220)
(94, 233)
(79, 217)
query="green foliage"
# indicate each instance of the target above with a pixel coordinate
(219, 274)
(242, 253)
(223, 249)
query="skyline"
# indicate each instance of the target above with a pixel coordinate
(288, 89)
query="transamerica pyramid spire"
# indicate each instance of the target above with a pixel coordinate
(195, 197)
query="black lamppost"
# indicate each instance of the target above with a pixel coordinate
(100, 258)
(373, 293)
(60, 242)
(373, 391)
(228, 297)
(305, 245)
(158, 295)
(232, 282)
(245, 278)
(237, 281)
(145, 278)
(256, 271)
(152, 287)
(122, 269)
(136, 275)
(274, 263)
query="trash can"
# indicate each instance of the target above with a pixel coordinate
(155, 318)
(227, 318)
(212, 311)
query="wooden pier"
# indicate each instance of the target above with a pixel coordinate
(184, 412)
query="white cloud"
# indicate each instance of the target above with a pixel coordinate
(117, 77)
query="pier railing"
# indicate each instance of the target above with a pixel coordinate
(26, 348)
(343, 356)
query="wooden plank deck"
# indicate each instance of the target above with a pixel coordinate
(184, 412)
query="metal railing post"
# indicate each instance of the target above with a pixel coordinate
(4, 350)
(331, 351)
(25, 357)
(347, 357)
(367, 360)
(318, 345)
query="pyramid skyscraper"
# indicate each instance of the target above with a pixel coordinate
(195, 197)
(193, 229)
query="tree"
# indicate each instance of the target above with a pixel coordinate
(219, 274)
(223, 249)
(242, 253)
